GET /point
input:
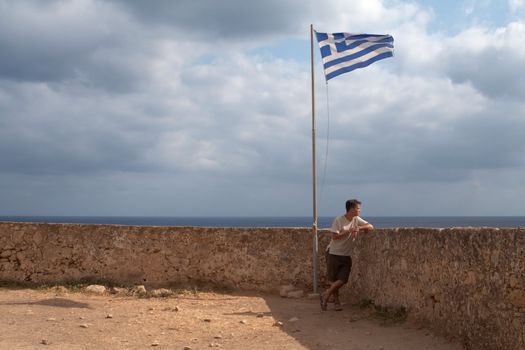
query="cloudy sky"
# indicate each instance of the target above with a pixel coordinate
(176, 108)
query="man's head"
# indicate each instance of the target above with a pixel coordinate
(353, 207)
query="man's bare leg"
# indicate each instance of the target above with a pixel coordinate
(331, 298)
(337, 302)
(334, 288)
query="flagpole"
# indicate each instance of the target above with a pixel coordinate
(314, 181)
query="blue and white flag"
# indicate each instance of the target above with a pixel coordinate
(344, 52)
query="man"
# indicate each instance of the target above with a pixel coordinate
(344, 231)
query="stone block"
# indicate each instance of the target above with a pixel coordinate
(284, 290)
(295, 294)
(140, 290)
(162, 292)
(96, 289)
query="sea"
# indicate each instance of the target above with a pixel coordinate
(278, 221)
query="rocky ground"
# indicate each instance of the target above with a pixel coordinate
(76, 318)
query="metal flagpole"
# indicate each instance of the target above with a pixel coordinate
(314, 181)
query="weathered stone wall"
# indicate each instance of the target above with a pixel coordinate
(255, 258)
(466, 281)
(469, 283)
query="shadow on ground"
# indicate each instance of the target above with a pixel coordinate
(356, 327)
(55, 302)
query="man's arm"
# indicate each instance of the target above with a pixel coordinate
(366, 227)
(344, 233)
(339, 235)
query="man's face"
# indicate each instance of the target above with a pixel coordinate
(355, 211)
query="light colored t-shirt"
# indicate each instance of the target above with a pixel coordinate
(344, 245)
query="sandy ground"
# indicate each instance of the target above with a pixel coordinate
(51, 319)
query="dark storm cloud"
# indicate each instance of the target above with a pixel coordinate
(48, 133)
(496, 72)
(60, 41)
(491, 60)
(224, 20)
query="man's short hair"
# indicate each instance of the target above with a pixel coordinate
(352, 203)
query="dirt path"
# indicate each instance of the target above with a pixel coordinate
(47, 319)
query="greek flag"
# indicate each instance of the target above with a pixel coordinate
(344, 52)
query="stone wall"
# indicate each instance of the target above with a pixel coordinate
(255, 258)
(468, 283)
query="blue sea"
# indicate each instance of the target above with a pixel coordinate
(272, 221)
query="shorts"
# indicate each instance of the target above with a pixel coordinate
(338, 267)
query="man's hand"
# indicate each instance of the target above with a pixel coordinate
(354, 232)
(367, 227)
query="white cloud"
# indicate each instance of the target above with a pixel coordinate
(516, 5)
(492, 60)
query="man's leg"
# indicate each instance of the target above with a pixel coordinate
(328, 272)
(334, 287)
(346, 268)
(337, 302)
(336, 297)
(340, 268)
(333, 290)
